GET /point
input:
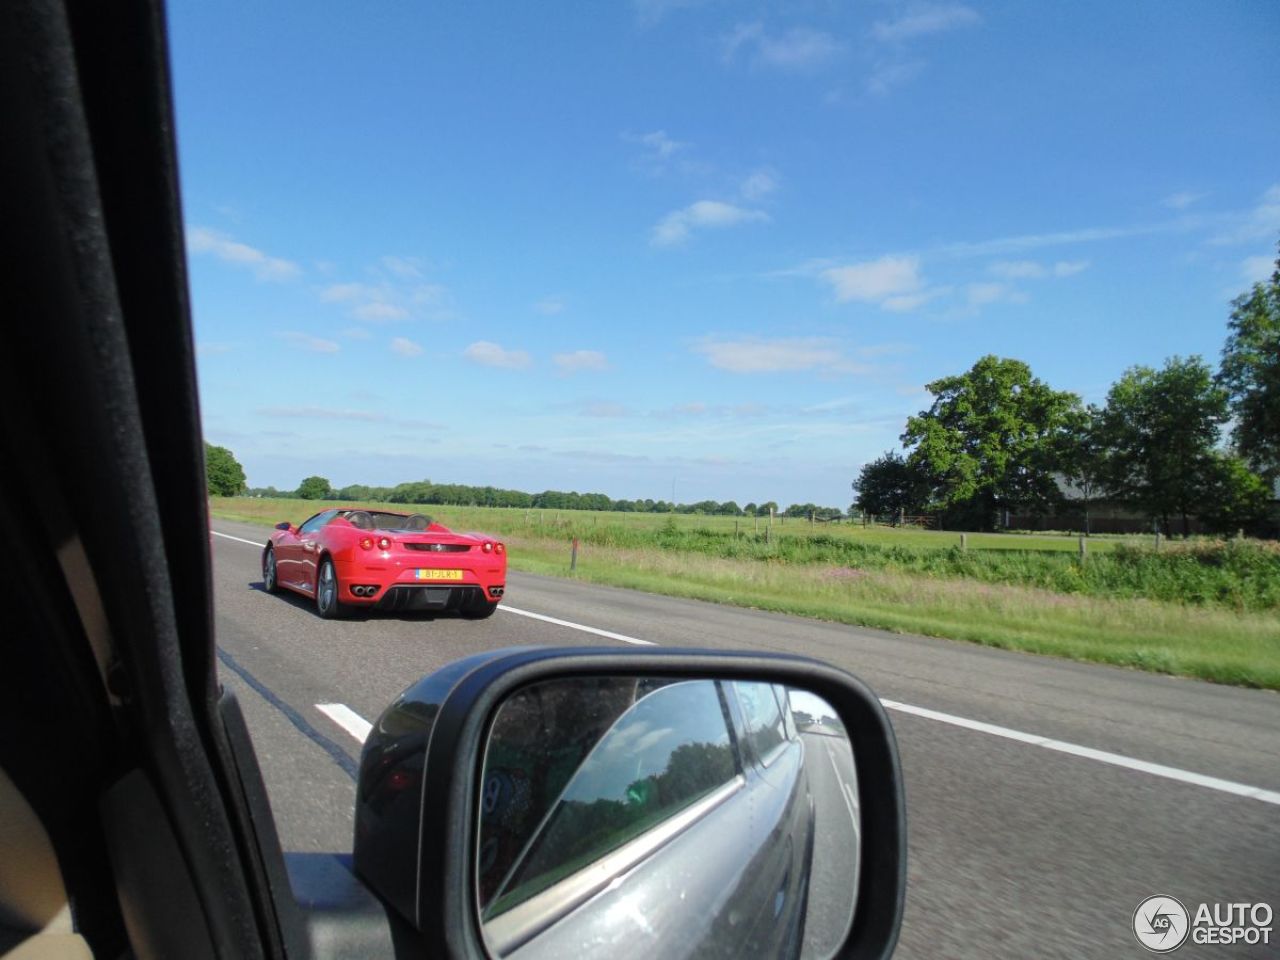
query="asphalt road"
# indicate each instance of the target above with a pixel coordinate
(835, 851)
(1018, 847)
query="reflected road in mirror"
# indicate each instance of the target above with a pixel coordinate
(651, 816)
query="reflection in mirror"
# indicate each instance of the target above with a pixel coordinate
(655, 816)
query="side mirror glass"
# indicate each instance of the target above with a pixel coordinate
(592, 802)
(694, 813)
(284, 525)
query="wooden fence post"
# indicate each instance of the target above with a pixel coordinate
(1082, 548)
(573, 555)
(964, 541)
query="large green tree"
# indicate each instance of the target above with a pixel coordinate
(990, 441)
(1236, 498)
(1161, 429)
(1082, 458)
(1251, 374)
(223, 473)
(890, 486)
(314, 488)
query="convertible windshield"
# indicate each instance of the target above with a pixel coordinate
(378, 520)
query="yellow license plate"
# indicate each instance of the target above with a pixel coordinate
(438, 574)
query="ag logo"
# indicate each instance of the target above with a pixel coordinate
(1161, 924)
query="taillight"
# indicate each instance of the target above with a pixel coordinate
(366, 543)
(384, 543)
(487, 547)
(499, 548)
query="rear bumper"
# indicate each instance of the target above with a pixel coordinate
(391, 584)
(411, 597)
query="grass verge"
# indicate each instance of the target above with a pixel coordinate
(1221, 644)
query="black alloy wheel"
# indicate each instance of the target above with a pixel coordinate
(270, 578)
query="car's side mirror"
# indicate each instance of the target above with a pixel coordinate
(538, 802)
(284, 525)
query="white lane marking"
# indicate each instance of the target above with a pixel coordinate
(1035, 740)
(1060, 746)
(577, 626)
(844, 787)
(1089, 753)
(252, 543)
(347, 719)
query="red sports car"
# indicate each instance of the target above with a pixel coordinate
(346, 558)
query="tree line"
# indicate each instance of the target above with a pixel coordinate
(225, 478)
(1175, 442)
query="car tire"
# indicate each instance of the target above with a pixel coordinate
(328, 606)
(478, 608)
(270, 575)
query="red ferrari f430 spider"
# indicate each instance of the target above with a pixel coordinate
(345, 558)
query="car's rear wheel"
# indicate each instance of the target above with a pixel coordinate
(327, 603)
(270, 577)
(478, 608)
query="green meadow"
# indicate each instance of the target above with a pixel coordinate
(1207, 609)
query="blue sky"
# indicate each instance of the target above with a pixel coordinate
(712, 247)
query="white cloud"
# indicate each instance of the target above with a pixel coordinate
(550, 306)
(308, 342)
(758, 184)
(661, 146)
(840, 403)
(982, 294)
(580, 360)
(907, 302)
(356, 333)
(695, 409)
(1260, 223)
(649, 12)
(676, 226)
(797, 49)
(405, 347)
(659, 151)
(800, 48)
(923, 21)
(379, 311)
(406, 268)
(603, 409)
(490, 354)
(876, 281)
(321, 413)
(1032, 270)
(893, 73)
(343, 292)
(222, 246)
(1180, 201)
(428, 294)
(783, 355)
(391, 300)
(1032, 241)
(1257, 269)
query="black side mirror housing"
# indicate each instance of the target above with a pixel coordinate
(419, 790)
